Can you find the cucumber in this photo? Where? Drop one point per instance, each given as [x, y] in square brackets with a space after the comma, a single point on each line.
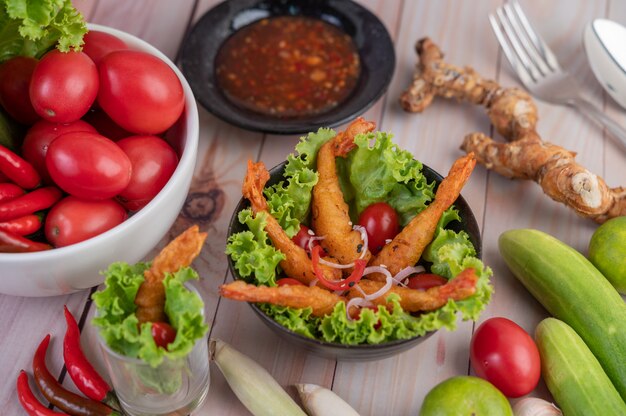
[574, 291]
[572, 373]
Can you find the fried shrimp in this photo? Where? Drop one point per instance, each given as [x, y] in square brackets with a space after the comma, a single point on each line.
[407, 247]
[297, 263]
[296, 296]
[412, 300]
[180, 252]
[329, 210]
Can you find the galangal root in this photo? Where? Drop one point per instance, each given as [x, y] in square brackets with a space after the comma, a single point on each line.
[514, 115]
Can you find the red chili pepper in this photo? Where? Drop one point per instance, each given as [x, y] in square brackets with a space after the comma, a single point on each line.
[14, 243]
[82, 373]
[345, 284]
[28, 400]
[60, 397]
[25, 225]
[17, 169]
[9, 191]
[29, 203]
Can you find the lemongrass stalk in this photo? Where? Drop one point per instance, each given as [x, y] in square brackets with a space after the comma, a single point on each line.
[251, 383]
[320, 401]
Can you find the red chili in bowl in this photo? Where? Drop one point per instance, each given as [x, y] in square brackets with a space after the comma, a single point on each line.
[288, 66]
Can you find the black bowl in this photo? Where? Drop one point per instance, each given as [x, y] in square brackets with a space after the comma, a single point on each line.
[362, 352]
[372, 40]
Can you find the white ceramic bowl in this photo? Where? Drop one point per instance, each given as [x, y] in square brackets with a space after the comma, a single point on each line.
[72, 268]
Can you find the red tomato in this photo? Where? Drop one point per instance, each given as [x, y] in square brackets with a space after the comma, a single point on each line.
[15, 76]
[302, 239]
[64, 85]
[163, 334]
[381, 223]
[88, 165]
[153, 162]
[287, 281]
[139, 92]
[72, 220]
[503, 353]
[424, 281]
[39, 137]
[105, 126]
[98, 44]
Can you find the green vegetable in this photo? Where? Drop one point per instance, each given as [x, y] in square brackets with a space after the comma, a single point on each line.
[574, 291]
[607, 251]
[251, 383]
[119, 325]
[33, 27]
[397, 179]
[573, 375]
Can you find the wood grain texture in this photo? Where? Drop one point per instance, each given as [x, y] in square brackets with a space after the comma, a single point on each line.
[397, 385]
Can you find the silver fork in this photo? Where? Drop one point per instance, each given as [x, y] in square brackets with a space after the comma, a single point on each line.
[537, 66]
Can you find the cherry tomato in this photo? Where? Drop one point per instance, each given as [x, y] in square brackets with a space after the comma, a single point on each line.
[381, 223]
[287, 281]
[163, 334]
[72, 220]
[88, 165]
[15, 76]
[302, 239]
[98, 44]
[139, 91]
[153, 162]
[503, 353]
[63, 86]
[424, 281]
[105, 126]
[39, 137]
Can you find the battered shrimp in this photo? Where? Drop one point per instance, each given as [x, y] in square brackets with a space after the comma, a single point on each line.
[330, 216]
[180, 252]
[407, 247]
[297, 263]
[294, 296]
[411, 300]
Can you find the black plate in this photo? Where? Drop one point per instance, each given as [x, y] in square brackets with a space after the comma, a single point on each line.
[363, 352]
[369, 34]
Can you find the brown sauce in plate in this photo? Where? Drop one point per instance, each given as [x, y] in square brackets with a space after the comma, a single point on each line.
[288, 66]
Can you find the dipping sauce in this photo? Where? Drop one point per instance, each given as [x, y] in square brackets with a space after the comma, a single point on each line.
[288, 66]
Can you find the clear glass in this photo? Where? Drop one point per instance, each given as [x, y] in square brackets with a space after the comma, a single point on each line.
[173, 388]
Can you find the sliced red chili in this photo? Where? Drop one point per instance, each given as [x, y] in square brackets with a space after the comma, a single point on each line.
[17, 169]
[344, 284]
[82, 373]
[29, 402]
[57, 395]
[9, 191]
[15, 243]
[29, 203]
[25, 225]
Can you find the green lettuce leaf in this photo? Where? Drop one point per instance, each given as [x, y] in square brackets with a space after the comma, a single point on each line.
[118, 324]
[33, 27]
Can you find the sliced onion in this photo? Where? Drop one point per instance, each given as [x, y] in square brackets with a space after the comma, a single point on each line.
[363, 232]
[312, 239]
[385, 288]
[360, 302]
[313, 282]
[407, 271]
[336, 265]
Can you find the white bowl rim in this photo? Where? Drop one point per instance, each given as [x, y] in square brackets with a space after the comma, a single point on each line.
[188, 157]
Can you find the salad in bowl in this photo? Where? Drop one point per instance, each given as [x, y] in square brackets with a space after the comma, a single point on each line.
[350, 244]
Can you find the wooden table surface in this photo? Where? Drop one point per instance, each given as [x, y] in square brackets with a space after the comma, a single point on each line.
[397, 385]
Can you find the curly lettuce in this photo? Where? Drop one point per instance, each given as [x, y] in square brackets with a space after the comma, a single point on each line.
[118, 324]
[33, 27]
[377, 170]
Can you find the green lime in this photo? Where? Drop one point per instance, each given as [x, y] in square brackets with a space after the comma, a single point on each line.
[465, 396]
[607, 251]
